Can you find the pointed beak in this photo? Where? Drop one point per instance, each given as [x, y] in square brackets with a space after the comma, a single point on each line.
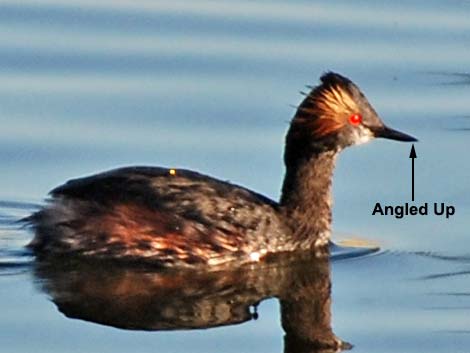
[388, 133]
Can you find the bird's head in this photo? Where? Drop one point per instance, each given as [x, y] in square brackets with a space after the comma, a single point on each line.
[334, 115]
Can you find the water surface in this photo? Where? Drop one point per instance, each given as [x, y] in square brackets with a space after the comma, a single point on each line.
[86, 86]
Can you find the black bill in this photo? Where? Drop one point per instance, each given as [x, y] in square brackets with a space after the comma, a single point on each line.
[391, 134]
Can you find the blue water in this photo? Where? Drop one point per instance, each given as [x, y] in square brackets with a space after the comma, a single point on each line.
[87, 86]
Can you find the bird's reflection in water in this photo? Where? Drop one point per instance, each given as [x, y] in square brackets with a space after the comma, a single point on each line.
[137, 298]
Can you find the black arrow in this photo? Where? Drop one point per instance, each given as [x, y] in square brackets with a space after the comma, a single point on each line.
[413, 156]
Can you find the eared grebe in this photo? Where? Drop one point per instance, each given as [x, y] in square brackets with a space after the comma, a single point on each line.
[176, 217]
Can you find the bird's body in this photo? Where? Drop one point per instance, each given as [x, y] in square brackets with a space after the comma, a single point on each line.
[176, 217]
[160, 215]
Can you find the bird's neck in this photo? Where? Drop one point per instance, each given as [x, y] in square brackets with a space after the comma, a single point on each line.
[306, 199]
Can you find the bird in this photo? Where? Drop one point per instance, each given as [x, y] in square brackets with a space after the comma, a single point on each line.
[180, 218]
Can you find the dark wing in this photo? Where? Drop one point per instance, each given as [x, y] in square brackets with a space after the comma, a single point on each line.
[124, 184]
[156, 187]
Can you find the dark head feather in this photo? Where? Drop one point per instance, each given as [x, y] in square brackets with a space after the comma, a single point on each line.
[333, 79]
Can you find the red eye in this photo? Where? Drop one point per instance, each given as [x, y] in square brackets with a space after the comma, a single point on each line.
[355, 119]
